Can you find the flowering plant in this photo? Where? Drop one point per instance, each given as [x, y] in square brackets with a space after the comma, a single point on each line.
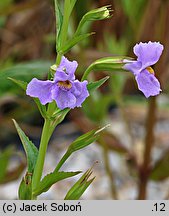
[59, 94]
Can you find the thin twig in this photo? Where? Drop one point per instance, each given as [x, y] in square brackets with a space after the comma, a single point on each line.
[149, 141]
[108, 169]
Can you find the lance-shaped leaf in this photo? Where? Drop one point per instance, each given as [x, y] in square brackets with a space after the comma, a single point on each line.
[96, 14]
[80, 186]
[59, 21]
[160, 170]
[72, 42]
[51, 179]
[108, 64]
[29, 147]
[95, 85]
[79, 143]
[23, 85]
[20, 83]
[72, 4]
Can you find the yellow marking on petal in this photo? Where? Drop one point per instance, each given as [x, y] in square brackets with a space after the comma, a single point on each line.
[150, 70]
[65, 84]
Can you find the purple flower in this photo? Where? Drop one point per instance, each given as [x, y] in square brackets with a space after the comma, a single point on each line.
[64, 89]
[147, 55]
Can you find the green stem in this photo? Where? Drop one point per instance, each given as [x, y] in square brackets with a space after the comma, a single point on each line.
[81, 23]
[42, 152]
[48, 125]
[58, 59]
[62, 161]
[86, 73]
[149, 142]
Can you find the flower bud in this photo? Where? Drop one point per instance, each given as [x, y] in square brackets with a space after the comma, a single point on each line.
[96, 14]
[107, 63]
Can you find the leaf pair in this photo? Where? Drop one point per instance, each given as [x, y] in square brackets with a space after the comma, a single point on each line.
[25, 189]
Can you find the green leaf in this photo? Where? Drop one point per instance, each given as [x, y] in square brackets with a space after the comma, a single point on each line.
[29, 147]
[72, 4]
[77, 190]
[20, 83]
[95, 85]
[25, 188]
[4, 161]
[160, 170]
[26, 70]
[42, 108]
[51, 179]
[72, 42]
[59, 21]
[23, 71]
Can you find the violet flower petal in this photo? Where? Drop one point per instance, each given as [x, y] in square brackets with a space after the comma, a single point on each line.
[67, 67]
[61, 76]
[64, 99]
[80, 91]
[65, 90]
[148, 53]
[40, 89]
[148, 83]
[134, 67]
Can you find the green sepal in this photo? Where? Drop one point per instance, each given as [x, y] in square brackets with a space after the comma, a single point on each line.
[77, 190]
[59, 115]
[85, 140]
[29, 147]
[160, 171]
[25, 188]
[72, 42]
[107, 63]
[51, 179]
[95, 85]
